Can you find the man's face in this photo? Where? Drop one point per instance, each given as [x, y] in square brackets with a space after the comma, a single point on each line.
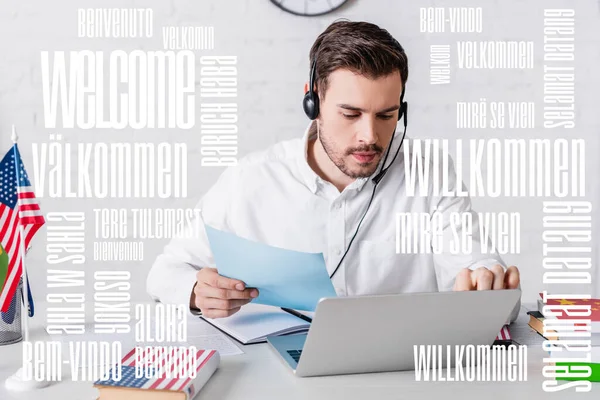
[357, 119]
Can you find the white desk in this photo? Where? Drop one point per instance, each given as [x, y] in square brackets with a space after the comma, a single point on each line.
[258, 374]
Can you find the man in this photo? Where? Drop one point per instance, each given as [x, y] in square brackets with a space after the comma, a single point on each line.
[309, 194]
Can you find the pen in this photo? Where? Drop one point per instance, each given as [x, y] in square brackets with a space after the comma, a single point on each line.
[297, 314]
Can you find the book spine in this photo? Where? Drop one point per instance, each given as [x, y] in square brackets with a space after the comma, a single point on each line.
[594, 356]
[206, 369]
[594, 377]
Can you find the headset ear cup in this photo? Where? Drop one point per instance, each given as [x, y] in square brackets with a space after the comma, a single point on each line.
[311, 105]
[307, 105]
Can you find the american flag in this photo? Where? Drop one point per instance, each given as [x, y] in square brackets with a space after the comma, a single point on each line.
[163, 381]
[18, 206]
[504, 334]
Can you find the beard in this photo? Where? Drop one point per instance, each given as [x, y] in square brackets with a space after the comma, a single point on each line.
[344, 160]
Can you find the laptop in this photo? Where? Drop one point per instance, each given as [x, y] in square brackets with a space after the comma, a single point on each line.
[361, 334]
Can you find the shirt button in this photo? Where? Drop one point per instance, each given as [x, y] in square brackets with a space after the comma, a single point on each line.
[338, 252]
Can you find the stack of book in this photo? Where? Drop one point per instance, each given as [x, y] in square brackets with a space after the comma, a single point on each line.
[163, 386]
[536, 322]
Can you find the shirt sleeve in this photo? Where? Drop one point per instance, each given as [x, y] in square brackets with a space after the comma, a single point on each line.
[482, 254]
[173, 275]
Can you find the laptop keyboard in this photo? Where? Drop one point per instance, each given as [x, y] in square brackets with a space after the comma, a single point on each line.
[295, 354]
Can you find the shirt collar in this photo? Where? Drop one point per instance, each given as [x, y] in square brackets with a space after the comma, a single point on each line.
[310, 178]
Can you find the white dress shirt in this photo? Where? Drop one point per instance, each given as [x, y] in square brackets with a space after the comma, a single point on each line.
[273, 196]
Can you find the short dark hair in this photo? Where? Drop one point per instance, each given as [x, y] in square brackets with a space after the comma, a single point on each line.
[361, 47]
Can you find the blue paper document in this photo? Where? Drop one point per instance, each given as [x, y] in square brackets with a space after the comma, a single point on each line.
[284, 278]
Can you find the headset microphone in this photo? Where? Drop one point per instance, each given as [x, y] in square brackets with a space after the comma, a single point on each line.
[402, 112]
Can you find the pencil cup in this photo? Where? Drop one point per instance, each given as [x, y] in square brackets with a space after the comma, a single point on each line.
[10, 321]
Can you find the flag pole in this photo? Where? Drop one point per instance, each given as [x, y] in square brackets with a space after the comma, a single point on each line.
[25, 320]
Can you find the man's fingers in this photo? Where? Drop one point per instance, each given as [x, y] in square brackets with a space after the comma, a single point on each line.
[222, 282]
[498, 272]
[220, 304]
[215, 313]
[228, 283]
[482, 278]
[463, 280]
[218, 296]
[512, 278]
[212, 278]
[487, 279]
[209, 291]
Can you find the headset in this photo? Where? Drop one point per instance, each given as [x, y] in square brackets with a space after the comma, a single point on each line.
[310, 104]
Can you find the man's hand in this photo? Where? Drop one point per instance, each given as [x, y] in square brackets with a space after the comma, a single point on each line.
[487, 279]
[217, 296]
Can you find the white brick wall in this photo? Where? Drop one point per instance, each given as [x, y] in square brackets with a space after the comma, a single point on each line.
[272, 49]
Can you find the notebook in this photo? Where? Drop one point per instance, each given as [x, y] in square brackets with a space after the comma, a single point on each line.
[162, 386]
[254, 322]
